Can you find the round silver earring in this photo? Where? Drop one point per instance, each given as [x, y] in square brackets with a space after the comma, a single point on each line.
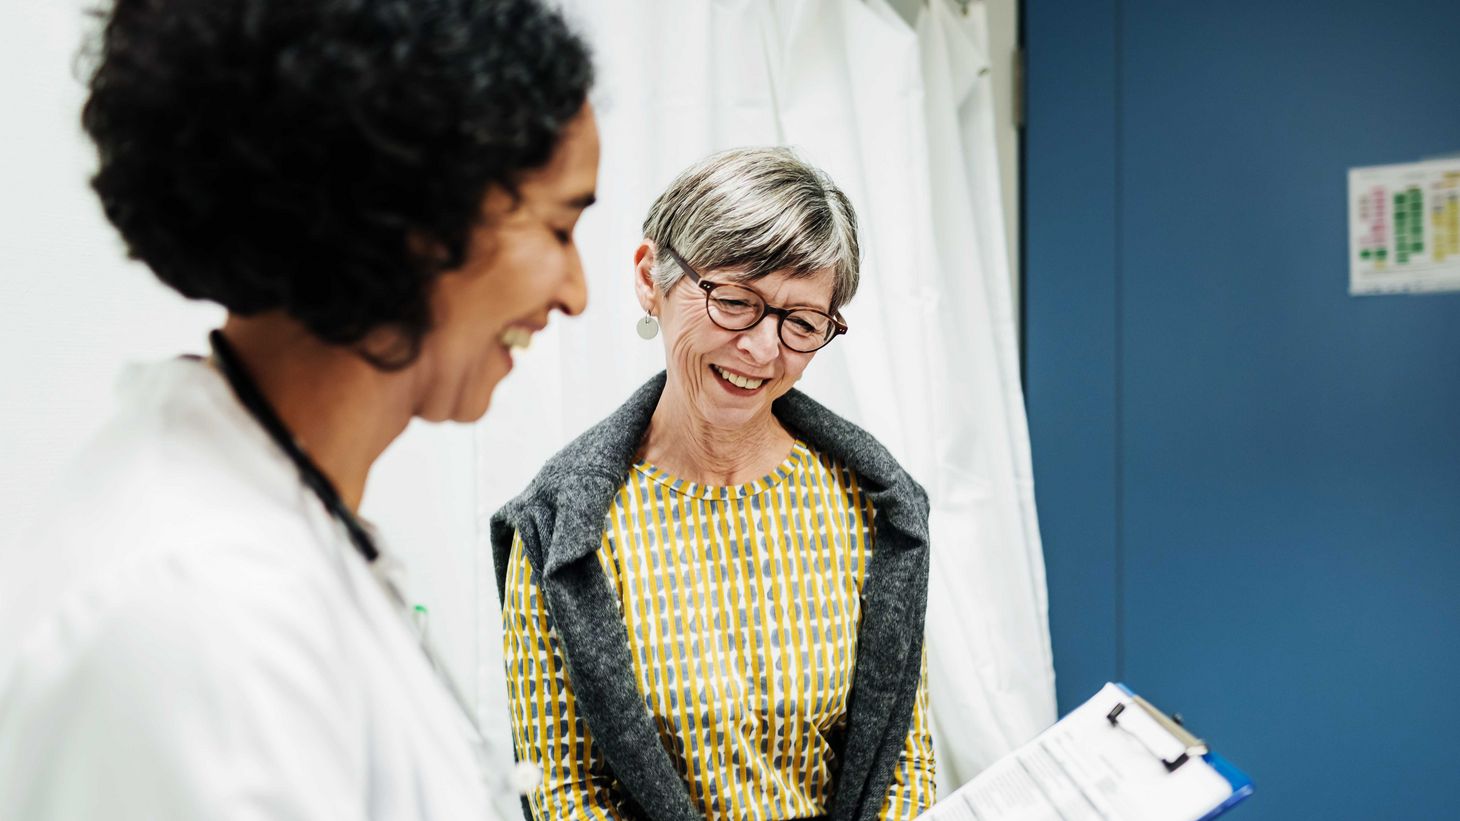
[648, 327]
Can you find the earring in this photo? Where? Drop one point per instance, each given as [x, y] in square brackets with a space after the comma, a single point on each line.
[648, 327]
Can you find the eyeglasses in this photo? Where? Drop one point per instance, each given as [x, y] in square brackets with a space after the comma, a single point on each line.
[738, 308]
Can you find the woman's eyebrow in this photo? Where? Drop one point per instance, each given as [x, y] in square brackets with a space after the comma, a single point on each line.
[582, 201]
[826, 309]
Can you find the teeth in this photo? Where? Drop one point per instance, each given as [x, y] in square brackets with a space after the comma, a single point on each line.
[738, 380]
[517, 338]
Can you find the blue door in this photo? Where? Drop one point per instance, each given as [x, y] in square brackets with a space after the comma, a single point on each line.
[1248, 481]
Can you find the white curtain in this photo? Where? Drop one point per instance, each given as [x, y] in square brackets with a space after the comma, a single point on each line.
[902, 118]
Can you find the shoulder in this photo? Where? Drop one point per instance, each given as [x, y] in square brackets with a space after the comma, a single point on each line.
[178, 632]
[138, 518]
[828, 433]
[170, 522]
[607, 447]
[584, 474]
[216, 609]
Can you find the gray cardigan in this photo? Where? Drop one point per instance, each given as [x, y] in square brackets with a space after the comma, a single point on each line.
[560, 519]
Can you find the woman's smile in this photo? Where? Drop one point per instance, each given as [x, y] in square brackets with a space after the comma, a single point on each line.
[737, 383]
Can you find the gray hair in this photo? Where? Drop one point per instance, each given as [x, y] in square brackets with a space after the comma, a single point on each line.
[756, 211]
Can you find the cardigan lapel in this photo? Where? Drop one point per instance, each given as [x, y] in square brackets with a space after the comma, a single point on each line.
[894, 603]
[595, 642]
[567, 504]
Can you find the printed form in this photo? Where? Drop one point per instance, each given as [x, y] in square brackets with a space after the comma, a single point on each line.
[1087, 767]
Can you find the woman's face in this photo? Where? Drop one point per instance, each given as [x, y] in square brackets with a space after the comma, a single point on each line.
[702, 358]
[521, 266]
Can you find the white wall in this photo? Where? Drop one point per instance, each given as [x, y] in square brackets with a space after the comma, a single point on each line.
[71, 308]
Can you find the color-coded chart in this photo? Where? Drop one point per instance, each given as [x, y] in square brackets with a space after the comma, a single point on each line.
[1404, 228]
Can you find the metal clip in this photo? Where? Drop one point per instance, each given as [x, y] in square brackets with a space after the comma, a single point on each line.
[1190, 744]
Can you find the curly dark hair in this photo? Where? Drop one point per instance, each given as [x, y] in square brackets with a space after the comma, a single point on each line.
[326, 158]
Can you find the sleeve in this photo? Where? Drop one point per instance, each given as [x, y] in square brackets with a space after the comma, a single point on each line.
[913, 791]
[546, 728]
[188, 701]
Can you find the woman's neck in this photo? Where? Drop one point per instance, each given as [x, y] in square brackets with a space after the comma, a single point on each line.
[683, 443]
[341, 410]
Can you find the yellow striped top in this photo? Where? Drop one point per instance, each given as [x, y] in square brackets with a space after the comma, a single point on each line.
[742, 606]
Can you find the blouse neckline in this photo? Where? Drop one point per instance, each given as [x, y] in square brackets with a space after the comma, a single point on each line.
[800, 452]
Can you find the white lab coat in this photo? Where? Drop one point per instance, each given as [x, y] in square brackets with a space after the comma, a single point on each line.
[185, 634]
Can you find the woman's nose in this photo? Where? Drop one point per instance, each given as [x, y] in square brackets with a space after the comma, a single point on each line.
[573, 292]
[762, 343]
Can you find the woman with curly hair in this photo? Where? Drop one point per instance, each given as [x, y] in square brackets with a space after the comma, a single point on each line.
[383, 196]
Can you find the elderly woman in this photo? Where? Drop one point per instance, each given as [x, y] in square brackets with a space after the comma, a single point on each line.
[382, 197]
[714, 599]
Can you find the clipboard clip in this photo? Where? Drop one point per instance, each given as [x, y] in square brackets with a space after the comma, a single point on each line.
[1191, 745]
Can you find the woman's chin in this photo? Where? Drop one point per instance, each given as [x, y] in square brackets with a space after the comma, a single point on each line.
[720, 416]
[475, 403]
[476, 395]
[474, 412]
[466, 404]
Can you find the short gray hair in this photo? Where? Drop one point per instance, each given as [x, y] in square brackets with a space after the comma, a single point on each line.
[756, 211]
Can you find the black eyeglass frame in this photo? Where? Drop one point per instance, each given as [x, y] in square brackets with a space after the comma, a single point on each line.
[839, 327]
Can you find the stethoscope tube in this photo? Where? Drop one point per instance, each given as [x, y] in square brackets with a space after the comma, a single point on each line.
[253, 400]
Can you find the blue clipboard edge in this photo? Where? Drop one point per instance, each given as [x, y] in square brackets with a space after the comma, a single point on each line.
[1241, 782]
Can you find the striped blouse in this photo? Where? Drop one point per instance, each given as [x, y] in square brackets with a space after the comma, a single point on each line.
[742, 606]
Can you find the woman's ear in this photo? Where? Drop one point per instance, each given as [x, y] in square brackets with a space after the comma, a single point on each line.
[644, 287]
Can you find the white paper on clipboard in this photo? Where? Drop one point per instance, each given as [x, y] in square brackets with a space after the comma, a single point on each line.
[1087, 767]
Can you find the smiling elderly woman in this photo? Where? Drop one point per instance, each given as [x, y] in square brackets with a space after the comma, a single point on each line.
[714, 599]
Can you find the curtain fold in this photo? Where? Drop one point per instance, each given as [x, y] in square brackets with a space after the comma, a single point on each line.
[902, 118]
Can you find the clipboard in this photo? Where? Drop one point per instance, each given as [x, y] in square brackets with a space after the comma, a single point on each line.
[1114, 758]
[1194, 747]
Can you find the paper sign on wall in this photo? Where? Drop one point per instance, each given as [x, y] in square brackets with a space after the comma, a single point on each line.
[1404, 228]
